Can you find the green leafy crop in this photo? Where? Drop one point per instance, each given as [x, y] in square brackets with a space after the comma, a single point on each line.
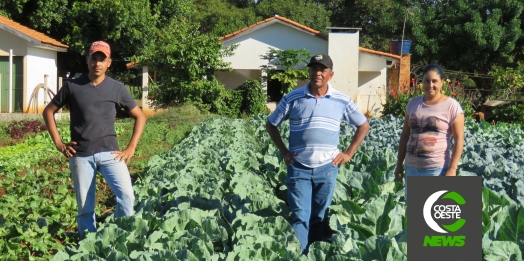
[220, 195]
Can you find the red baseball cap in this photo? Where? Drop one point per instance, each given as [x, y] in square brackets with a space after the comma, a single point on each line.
[100, 46]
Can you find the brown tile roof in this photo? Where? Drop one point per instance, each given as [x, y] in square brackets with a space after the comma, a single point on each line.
[362, 49]
[280, 18]
[44, 39]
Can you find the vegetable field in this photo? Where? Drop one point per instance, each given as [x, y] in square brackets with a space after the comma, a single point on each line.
[220, 195]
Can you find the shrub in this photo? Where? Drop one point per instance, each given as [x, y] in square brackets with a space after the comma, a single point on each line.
[246, 100]
[253, 97]
[135, 91]
[511, 113]
[229, 103]
[396, 102]
[18, 129]
[508, 83]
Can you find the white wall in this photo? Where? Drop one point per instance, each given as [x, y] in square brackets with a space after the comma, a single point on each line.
[373, 73]
[373, 63]
[276, 35]
[11, 41]
[343, 50]
[370, 97]
[235, 78]
[370, 62]
[368, 82]
[39, 62]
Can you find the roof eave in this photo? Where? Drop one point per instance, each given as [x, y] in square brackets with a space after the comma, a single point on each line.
[387, 56]
[51, 47]
[20, 34]
[33, 41]
[266, 23]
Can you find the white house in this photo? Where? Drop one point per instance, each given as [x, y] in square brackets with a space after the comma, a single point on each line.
[28, 59]
[359, 72]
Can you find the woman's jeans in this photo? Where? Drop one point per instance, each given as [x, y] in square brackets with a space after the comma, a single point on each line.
[410, 171]
[310, 191]
[116, 174]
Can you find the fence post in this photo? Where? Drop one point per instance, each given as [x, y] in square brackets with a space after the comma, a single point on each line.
[57, 90]
[145, 90]
[46, 90]
[10, 91]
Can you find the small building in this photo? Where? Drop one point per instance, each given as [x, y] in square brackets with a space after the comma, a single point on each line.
[32, 57]
[360, 73]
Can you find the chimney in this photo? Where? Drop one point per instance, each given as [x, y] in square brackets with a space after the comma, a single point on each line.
[400, 73]
[343, 46]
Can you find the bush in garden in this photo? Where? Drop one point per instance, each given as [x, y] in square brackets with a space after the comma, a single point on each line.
[467, 101]
[228, 104]
[19, 129]
[253, 97]
[508, 80]
[511, 113]
[396, 102]
[246, 100]
[508, 83]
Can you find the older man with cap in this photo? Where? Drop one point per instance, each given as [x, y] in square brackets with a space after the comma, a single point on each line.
[92, 100]
[315, 112]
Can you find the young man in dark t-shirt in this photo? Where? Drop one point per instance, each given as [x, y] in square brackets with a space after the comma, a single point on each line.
[92, 100]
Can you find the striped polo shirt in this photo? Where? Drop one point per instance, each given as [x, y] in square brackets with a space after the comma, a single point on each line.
[315, 123]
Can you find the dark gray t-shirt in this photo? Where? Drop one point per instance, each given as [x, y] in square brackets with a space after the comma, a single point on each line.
[93, 112]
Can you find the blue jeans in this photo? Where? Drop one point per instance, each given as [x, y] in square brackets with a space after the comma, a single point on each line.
[310, 191]
[116, 174]
[410, 171]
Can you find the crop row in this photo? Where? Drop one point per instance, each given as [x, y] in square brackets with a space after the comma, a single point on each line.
[220, 195]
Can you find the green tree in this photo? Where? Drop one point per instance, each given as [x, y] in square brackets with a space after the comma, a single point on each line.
[219, 17]
[380, 20]
[46, 16]
[242, 3]
[468, 35]
[287, 66]
[126, 25]
[165, 12]
[186, 60]
[311, 14]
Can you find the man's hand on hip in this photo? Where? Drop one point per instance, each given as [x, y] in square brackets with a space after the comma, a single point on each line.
[66, 148]
[341, 159]
[124, 155]
[288, 157]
